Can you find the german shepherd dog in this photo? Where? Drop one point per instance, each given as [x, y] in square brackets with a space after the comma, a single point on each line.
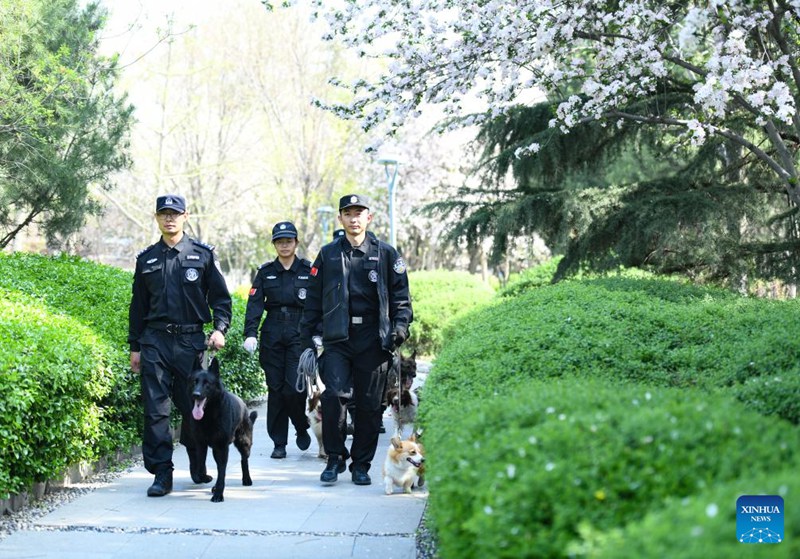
[220, 418]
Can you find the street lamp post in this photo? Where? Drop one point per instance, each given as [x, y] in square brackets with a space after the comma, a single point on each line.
[325, 213]
[390, 165]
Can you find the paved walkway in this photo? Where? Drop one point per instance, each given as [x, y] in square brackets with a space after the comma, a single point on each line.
[286, 513]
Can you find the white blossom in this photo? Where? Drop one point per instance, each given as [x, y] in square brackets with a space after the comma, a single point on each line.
[443, 52]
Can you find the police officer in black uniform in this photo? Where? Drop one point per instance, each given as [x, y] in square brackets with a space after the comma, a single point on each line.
[280, 288]
[177, 285]
[358, 300]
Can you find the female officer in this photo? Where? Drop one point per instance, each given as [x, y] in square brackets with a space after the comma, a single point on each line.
[279, 289]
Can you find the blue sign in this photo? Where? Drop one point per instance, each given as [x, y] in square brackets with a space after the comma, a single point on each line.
[759, 519]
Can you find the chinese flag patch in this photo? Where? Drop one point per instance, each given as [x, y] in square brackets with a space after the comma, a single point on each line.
[314, 271]
[252, 291]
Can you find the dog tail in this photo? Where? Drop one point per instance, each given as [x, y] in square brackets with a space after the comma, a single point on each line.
[253, 416]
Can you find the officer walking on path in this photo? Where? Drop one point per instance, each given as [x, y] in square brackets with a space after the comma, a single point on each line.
[280, 288]
[177, 285]
[358, 301]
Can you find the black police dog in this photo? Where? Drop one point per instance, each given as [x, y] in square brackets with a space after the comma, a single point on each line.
[220, 418]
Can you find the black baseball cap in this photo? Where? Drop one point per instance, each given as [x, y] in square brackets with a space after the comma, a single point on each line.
[284, 230]
[171, 202]
[353, 200]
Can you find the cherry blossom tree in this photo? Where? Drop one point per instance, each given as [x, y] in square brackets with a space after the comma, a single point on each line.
[736, 59]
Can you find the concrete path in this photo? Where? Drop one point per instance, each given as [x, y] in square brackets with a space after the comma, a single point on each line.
[285, 514]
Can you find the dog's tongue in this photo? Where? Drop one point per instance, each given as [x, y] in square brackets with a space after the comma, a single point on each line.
[198, 410]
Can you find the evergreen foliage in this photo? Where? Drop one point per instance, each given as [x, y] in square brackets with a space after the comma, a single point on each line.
[630, 196]
[62, 128]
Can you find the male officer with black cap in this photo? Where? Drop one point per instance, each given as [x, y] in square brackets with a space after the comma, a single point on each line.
[177, 288]
[280, 288]
[358, 300]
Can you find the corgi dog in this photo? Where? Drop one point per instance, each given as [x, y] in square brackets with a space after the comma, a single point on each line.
[314, 415]
[402, 464]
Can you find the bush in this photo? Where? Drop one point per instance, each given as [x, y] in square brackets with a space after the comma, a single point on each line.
[526, 467]
[530, 278]
[68, 321]
[54, 374]
[241, 373]
[96, 297]
[654, 331]
[438, 298]
[704, 525]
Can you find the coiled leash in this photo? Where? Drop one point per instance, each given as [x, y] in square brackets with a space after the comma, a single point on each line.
[307, 371]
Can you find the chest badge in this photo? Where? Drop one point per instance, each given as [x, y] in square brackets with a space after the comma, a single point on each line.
[301, 293]
[191, 274]
[152, 260]
[373, 276]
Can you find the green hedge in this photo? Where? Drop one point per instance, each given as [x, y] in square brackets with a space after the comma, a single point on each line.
[661, 332]
[54, 375]
[95, 297]
[438, 298]
[704, 525]
[519, 472]
[69, 321]
[571, 411]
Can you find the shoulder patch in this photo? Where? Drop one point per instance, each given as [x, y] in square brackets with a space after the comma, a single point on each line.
[399, 266]
[202, 244]
[141, 252]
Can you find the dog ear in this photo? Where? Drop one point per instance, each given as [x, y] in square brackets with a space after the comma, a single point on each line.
[214, 366]
[396, 443]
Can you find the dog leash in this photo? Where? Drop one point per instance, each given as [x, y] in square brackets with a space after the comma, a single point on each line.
[307, 368]
[208, 355]
[397, 366]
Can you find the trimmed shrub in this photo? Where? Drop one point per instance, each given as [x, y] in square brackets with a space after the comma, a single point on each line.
[241, 373]
[70, 322]
[97, 298]
[523, 469]
[438, 298]
[54, 374]
[530, 278]
[703, 525]
[773, 395]
[654, 331]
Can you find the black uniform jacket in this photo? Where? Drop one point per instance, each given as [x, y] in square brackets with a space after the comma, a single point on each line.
[202, 285]
[268, 293]
[328, 293]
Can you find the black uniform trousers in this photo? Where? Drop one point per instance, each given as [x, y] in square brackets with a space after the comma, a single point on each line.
[167, 364]
[279, 354]
[359, 365]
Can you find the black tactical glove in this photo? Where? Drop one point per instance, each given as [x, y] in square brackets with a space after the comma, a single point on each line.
[398, 337]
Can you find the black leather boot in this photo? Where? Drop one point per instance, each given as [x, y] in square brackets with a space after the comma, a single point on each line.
[360, 475]
[336, 465]
[162, 484]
